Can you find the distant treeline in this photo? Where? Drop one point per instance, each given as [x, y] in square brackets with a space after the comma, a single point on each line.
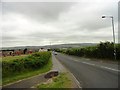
[104, 50]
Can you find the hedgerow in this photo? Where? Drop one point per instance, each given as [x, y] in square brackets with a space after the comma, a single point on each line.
[31, 62]
[104, 50]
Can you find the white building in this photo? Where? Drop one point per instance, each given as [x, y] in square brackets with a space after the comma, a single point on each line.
[42, 50]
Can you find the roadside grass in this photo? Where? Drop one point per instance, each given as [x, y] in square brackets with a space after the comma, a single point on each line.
[23, 75]
[9, 58]
[61, 81]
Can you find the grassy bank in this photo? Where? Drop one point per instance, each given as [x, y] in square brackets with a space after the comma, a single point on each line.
[61, 81]
[28, 70]
[9, 58]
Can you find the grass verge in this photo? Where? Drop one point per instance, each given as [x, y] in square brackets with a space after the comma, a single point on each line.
[23, 75]
[61, 81]
[9, 58]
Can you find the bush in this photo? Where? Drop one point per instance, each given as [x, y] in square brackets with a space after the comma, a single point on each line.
[31, 62]
[103, 50]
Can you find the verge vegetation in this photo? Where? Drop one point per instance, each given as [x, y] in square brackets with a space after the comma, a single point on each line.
[30, 65]
[8, 58]
[61, 81]
[104, 50]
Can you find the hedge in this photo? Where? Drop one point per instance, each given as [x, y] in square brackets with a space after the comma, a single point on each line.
[31, 62]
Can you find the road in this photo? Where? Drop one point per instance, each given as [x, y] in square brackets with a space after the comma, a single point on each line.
[90, 73]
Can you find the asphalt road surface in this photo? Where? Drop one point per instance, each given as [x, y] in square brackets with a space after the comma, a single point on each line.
[90, 73]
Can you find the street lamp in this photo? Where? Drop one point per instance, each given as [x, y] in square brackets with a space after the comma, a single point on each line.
[113, 32]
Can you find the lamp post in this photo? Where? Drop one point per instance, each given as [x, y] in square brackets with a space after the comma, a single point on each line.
[113, 33]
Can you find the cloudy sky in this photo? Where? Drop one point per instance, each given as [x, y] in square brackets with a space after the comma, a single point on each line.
[42, 23]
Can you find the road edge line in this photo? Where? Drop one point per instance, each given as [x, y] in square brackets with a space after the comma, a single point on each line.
[77, 82]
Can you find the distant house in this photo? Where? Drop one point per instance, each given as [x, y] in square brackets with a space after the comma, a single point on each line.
[11, 52]
[7, 52]
[30, 51]
[42, 49]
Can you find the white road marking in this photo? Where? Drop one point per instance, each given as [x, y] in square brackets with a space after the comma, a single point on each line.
[99, 66]
[87, 59]
[76, 81]
[89, 63]
[110, 68]
[76, 60]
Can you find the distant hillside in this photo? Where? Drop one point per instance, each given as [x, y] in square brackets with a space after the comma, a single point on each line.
[54, 46]
[73, 45]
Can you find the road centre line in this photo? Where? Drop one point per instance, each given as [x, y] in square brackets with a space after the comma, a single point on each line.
[110, 68]
[89, 63]
[99, 66]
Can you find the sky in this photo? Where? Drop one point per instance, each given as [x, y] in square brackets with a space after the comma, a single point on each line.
[42, 23]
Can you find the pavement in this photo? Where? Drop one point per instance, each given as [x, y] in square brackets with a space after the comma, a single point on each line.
[32, 81]
[91, 73]
[27, 83]
[57, 65]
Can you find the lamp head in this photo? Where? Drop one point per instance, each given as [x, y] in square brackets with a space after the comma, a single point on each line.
[103, 16]
[107, 16]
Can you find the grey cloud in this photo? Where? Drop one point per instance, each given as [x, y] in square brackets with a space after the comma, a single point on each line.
[92, 27]
[85, 38]
[68, 26]
[95, 21]
[48, 35]
[42, 11]
[7, 38]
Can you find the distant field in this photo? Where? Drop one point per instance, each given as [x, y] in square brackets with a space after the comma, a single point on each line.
[8, 58]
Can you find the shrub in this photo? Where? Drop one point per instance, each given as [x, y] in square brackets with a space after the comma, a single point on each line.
[31, 62]
[103, 50]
